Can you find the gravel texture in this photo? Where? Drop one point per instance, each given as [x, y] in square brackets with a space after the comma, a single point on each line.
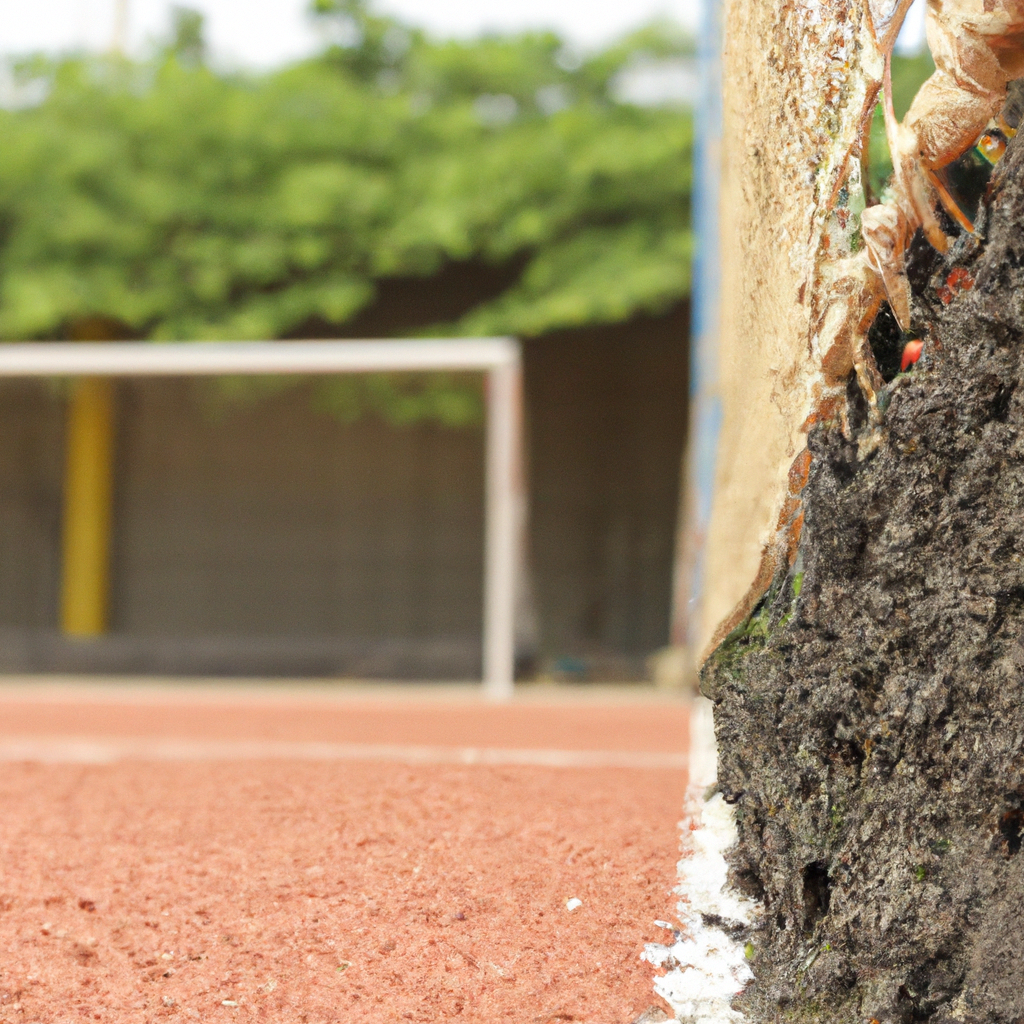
[870, 715]
[298, 891]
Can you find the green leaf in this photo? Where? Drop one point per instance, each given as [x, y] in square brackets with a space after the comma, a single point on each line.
[172, 201]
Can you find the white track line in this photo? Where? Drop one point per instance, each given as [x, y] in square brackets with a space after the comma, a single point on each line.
[706, 964]
[83, 750]
[83, 690]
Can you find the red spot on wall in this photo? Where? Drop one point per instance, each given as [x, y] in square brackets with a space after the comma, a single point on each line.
[911, 353]
[958, 280]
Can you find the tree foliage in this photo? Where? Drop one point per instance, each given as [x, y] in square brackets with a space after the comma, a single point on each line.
[166, 200]
[908, 75]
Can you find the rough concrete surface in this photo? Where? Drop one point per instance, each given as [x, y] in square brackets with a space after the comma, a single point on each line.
[799, 78]
[870, 713]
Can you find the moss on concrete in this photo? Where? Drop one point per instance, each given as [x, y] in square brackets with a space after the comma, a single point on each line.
[870, 714]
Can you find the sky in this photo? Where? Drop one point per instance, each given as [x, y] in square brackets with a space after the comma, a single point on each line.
[267, 33]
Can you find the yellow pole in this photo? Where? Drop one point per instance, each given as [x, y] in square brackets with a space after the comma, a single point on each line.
[88, 499]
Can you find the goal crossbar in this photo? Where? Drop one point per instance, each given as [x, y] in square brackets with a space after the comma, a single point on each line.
[499, 358]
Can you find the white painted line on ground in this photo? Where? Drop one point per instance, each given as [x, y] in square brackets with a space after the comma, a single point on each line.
[706, 964]
[75, 690]
[84, 750]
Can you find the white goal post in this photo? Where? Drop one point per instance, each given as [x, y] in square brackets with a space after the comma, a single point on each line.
[499, 358]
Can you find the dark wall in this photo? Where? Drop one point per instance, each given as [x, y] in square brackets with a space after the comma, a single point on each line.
[607, 412]
[31, 467]
[278, 520]
[274, 539]
[268, 538]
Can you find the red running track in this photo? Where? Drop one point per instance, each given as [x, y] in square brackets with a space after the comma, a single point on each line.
[212, 887]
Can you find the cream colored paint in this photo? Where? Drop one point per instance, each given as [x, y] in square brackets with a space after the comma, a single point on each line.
[799, 76]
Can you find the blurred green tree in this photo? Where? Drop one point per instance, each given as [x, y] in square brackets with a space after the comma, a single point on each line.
[909, 72]
[165, 200]
[188, 43]
[183, 203]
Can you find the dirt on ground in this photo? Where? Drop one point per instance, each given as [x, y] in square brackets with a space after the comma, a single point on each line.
[870, 715]
[319, 890]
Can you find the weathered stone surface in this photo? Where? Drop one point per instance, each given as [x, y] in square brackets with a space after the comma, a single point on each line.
[800, 77]
[870, 714]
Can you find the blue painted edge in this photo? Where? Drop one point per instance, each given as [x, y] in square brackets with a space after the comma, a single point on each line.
[705, 400]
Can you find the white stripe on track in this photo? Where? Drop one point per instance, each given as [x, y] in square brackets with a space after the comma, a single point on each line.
[80, 750]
